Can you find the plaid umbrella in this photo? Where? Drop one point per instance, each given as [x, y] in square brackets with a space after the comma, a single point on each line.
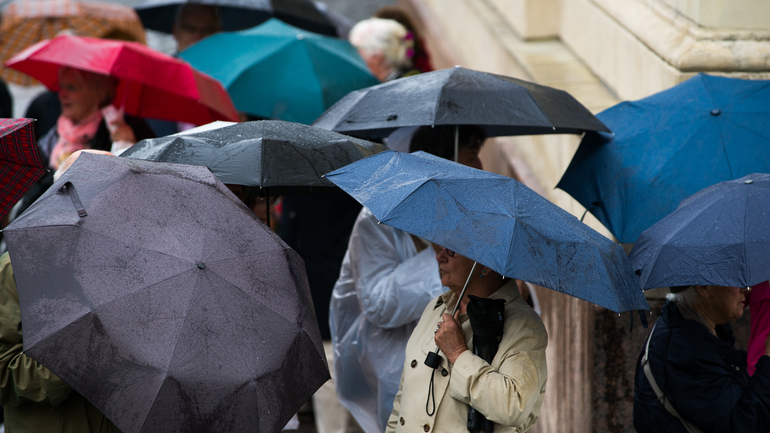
[27, 22]
[20, 162]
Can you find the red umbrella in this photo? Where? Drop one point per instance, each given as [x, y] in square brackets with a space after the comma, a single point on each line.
[26, 22]
[20, 162]
[152, 84]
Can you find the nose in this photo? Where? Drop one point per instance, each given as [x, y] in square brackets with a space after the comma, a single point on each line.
[442, 255]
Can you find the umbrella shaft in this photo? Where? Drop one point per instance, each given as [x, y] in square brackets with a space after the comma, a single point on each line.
[461, 296]
[457, 154]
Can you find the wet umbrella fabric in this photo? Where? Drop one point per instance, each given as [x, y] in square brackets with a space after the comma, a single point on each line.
[276, 71]
[667, 147]
[719, 236]
[243, 14]
[508, 227]
[458, 96]
[26, 22]
[153, 292]
[277, 157]
[151, 84]
[21, 164]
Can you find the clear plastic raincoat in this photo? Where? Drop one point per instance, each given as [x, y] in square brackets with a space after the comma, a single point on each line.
[383, 288]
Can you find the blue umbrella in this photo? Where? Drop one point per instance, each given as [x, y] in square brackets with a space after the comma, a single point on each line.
[496, 221]
[719, 236]
[667, 147]
[276, 71]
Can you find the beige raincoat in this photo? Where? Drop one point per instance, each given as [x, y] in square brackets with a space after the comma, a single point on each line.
[508, 392]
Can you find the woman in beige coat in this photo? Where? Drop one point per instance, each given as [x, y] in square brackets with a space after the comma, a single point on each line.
[507, 391]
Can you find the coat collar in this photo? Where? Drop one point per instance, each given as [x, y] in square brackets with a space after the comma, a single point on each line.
[508, 292]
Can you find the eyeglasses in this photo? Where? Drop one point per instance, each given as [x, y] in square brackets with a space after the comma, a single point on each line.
[449, 252]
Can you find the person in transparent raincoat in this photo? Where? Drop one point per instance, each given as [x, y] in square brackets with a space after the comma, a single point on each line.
[387, 278]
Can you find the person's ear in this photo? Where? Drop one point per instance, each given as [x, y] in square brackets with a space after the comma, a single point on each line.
[702, 291]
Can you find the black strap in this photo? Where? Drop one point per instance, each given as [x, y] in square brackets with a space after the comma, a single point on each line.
[70, 189]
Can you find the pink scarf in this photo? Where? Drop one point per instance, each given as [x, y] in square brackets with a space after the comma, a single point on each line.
[73, 137]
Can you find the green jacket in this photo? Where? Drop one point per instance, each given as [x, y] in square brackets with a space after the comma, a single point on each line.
[34, 399]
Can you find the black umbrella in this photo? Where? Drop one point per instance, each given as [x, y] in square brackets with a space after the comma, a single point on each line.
[243, 14]
[487, 317]
[277, 157]
[153, 292]
[458, 96]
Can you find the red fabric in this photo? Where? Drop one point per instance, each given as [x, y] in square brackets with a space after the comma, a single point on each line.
[152, 84]
[759, 306]
[21, 164]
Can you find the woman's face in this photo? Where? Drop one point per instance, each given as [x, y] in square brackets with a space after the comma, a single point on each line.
[726, 304]
[78, 101]
[454, 269]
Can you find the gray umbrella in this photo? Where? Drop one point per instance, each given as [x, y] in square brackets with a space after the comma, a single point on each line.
[275, 156]
[458, 96]
[153, 292]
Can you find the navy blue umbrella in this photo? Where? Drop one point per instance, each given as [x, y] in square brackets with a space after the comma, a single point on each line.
[719, 237]
[667, 147]
[496, 221]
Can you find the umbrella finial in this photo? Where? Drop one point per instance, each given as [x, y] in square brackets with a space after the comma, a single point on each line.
[716, 112]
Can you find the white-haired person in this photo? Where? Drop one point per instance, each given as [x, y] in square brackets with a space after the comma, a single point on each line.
[386, 47]
[694, 380]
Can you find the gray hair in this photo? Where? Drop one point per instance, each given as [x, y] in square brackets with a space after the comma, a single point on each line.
[388, 37]
[685, 297]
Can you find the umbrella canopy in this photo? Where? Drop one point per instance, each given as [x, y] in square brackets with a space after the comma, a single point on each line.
[719, 236]
[27, 22]
[152, 84]
[278, 157]
[667, 147]
[153, 292]
[459, 96]
[277, 71]
[243, 14]
[493, 220]
[21, 164]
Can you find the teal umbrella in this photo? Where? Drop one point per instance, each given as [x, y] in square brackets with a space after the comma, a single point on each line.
[277, 71]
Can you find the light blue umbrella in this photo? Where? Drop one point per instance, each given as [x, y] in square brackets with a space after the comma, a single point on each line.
[276, 71]
[496, 221]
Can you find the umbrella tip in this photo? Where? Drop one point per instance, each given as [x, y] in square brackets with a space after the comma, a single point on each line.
[716, 112]
[458, 66]
[746, 182]
[201, 265]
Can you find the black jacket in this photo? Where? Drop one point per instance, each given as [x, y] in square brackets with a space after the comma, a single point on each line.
[705, 379]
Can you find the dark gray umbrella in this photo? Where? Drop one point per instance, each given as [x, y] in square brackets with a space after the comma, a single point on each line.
[243, 14]
[458, 96]
[277, 157]
[153, 292]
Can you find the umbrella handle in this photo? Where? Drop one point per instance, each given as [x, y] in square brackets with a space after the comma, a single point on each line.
[433, 360]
